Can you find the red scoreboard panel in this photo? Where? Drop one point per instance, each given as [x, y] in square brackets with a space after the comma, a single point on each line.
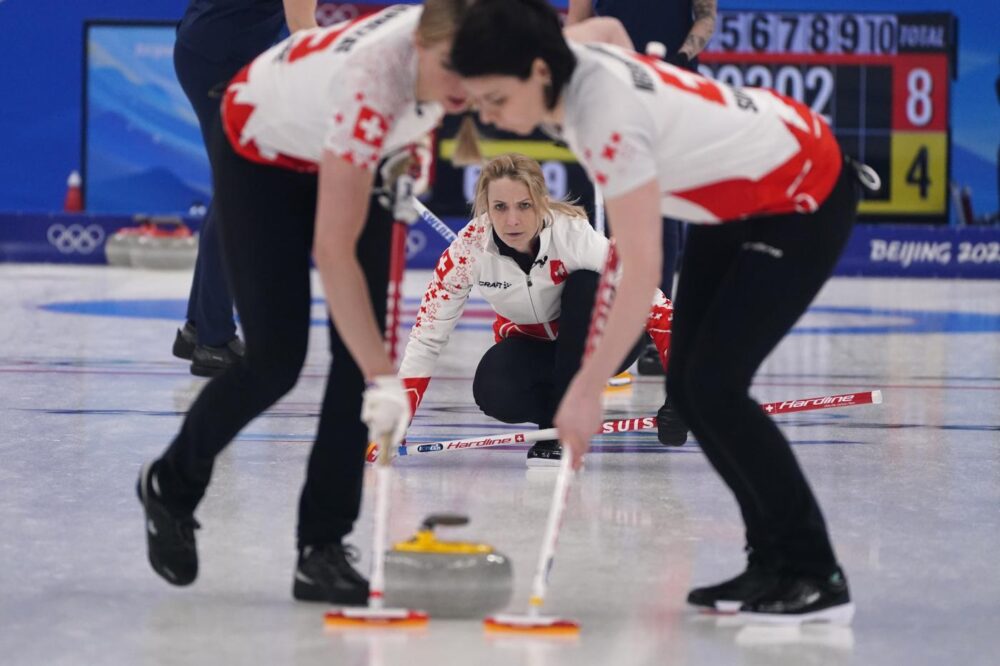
[880, 79]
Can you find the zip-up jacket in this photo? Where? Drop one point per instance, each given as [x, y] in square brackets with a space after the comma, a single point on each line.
[526, 304]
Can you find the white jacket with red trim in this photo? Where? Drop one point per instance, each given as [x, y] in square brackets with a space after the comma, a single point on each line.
[527, 304]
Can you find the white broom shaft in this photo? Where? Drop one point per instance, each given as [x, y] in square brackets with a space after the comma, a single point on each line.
[599, 222]
[434, 221]
[383, 481]
[551, 538]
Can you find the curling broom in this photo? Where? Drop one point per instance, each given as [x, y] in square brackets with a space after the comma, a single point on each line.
[376, 615]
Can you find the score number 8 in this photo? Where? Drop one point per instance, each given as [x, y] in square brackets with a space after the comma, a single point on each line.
[919, 108]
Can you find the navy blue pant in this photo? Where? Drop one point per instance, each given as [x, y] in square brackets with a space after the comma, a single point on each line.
[210, 305]
[522, 380]
[671, 249]
[743, 286]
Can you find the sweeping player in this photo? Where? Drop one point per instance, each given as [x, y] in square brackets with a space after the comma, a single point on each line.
[536, 261]
[303, 128]
[774, 202]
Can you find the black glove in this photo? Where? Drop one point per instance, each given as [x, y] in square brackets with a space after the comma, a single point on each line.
[405, 174]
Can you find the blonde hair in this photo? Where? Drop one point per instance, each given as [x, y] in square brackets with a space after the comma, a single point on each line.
[438, 23]
[440, 19]
[523, 169]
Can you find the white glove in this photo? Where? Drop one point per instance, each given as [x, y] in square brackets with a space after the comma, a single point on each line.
[385, 409]
[405, 173]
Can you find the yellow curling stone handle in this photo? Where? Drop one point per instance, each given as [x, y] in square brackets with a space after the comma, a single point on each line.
[425, 541]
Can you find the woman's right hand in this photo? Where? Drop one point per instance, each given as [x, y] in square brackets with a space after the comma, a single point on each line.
[385, 409]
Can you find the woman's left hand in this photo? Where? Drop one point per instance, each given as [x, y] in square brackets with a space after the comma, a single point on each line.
[579, 417]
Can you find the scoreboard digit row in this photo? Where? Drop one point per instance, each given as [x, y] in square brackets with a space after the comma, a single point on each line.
[772, 32]
[850, 33]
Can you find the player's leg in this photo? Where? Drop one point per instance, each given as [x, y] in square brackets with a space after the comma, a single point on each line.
[209, 334]
[513, 384]
[708, 256]
[331, 497]
[513, 381]
[782, 263]
[267, 256]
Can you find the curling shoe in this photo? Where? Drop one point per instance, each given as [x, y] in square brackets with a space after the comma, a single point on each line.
[801, 598]
[169, 536]
[186, 341]
[730, 596]
[649, 362]
[546, 453]
[326, 573]
[670, 429]
[211, 361]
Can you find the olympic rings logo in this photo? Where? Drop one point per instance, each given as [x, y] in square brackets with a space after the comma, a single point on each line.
[329, 13]
[76, 238]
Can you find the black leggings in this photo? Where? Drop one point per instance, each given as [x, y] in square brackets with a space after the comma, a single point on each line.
[522, 380]
[266, 219]
[743, 285]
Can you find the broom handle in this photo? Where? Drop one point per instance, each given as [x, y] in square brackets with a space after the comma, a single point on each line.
[612, 426]
[383, 480]
[434, 221]
[547, 554]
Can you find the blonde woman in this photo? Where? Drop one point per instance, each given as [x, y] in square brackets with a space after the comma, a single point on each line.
[536, 261]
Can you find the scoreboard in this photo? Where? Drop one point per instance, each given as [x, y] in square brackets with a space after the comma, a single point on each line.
[880, 79]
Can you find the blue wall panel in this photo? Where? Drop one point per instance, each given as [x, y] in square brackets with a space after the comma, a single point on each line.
[40, 88]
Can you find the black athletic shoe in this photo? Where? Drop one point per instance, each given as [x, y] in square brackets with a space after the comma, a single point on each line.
[169, 537]
[211, 361]
[729, 596]
[325, 573]
[799, 598]
[546, 453]
[648, 362]
[670, 429]
[186, 341]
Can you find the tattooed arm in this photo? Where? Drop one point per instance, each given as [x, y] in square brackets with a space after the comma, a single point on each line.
[704, 25]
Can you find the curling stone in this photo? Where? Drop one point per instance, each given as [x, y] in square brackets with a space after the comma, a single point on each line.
[447, 579]
[118, 246]
[165, 243]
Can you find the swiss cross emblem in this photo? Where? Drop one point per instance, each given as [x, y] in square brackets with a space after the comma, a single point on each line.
[558, 271]
[445, 264]
[371, 127]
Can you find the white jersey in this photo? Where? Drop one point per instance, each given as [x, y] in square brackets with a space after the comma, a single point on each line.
[718, 153]
[348, 88]
[526, 304]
